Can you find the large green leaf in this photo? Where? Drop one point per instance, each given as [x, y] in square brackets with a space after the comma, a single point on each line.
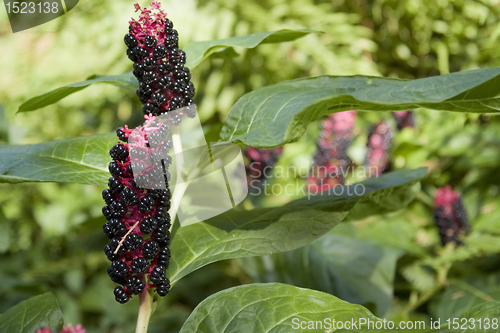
[241, 233]
[349, 268]
[126, 80]
[32, 314]
[465, 293]
[274, 115]
[79, 160]
[484, 317]
[196, 52]
[272, 308]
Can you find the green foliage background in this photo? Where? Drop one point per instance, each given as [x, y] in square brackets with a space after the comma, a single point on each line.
[50, 234]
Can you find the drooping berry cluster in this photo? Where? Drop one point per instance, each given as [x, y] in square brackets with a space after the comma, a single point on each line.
[66, 329]
[404, 119]
[450, 215]
[330, 162]
[164, 81]
[377, 152]
[137, 204]
[260, 163]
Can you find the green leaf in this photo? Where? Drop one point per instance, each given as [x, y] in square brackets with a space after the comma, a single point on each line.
[196, 52]
[32, 314]
[4, 233]
[81, 160]
[465, 293]
[241, 233]
[4, 125]
[484, 317]
[126, 80]
[271, 308]
[352, 269]
[274, 115]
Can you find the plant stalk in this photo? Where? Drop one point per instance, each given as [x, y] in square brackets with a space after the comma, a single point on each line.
[145, 310]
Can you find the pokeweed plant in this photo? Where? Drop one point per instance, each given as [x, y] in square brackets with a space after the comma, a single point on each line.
[139, 223]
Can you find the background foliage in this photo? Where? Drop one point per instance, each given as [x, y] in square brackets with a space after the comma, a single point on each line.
[50, 234]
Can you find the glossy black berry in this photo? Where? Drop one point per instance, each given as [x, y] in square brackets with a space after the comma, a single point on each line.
[182, 57]
[138, 70]
[173, 55]
[115, 170]
[158, 98]
[178, 74]
[138, 154]
[106, 211]
[164, 257]
[187, 74]
[157, 275]
[147, 225]
[121, 135]
[133, 241]
[149, 64]
[163, 289]
[168, 25]
[139, 265]
[149, 42]
[108, 197]
[149, 77]
[177, 87]
[142, 181]
[146, 204]
[151, 109]
[118, 152]
[164, 220]
[161, 212]
[111, 247]
[146, 89]
[160, 52]
[108, 230]
[156, 174]
[164, 68]
[119, 227]
[135, 285]
[150, 249]
[142, 96]
[130, 41]
[154, 139]
[115, 185]
[129, 197]
[164, 200]
[135, 168]
[140, 52]
[161, 234]
[177, 100]
[120, 295]
[117, 209]
[118, 268]
[171, 41]
[131, 55]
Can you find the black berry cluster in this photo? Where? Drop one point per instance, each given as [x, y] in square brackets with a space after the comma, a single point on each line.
[138, 198]
[164, 81]
[404, 119]
[378, 148]
[260, 161]
[450, 215]
[137, 203]
[330, 160]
